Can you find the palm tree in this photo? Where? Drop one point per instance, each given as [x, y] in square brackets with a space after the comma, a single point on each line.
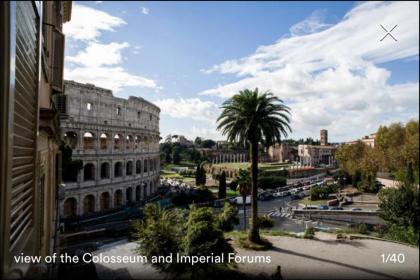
[243, 181]
[251, 117]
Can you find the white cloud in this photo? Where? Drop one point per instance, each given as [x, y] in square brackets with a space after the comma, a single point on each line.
[189, 108]
[314, 23]
[330, 77]
[136, 50]
[98, 2]
[113, 78]
[98, 63]
[87, 23]
[97, 54]
[145, 11]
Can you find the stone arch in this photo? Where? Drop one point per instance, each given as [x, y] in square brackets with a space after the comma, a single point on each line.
[145, 190]
[118, 141]
[151, 165]
[129, 194]
[129, 168]
[103, 139]
[70, 207]
[88, 141]
[89, 172]
[145, 165]
[152, 187]
[137, 142]
[156, 163]
[70, 138]
[88, 204]
[138, 166]
[105, 170]
[129, 142]
[118, 198]
[105, 201]
[118, 169]
[138, 193]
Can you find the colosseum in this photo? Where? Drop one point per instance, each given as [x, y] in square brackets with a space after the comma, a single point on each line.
[117, 141]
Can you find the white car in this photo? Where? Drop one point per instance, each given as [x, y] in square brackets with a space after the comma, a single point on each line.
[276, 194]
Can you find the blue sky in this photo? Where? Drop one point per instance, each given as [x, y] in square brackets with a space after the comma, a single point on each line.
[324, 59]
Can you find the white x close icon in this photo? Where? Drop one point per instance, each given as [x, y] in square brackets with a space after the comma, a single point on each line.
[388, 33]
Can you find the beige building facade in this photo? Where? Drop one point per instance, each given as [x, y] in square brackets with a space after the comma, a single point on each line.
[32, 54]
[117, 142]
[282, 153]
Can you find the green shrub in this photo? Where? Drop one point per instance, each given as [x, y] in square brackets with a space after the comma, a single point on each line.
[265, 222]
[361, 228]
[198, 196]
[228, 217]
[159, 234]
[309, 233]
[203, 237]
[341, 236]
[187, 173]
[271, 182]
[403, 234]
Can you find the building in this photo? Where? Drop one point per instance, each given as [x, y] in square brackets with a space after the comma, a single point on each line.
[369, 140]
[32, 56]
[324, 137]
[314, 155]
[282, 153]
[117, 142]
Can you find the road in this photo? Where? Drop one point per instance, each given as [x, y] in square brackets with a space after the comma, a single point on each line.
[282, 221]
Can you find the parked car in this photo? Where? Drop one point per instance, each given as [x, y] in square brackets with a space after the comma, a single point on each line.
[336, 208]
[309, 208]
[323, 207]
[332, 202]
[265, 196]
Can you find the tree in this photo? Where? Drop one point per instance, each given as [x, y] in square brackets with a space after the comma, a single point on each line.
[203, 174]
[176, 155]
[198, 176]
[271, 182]
[244, 185]
[400, 208]
[70, 167]
[166, 148]
[228, 217]
[159, 234]
[222, 185]
[198, 141]
[253, 117]
[208, 143]
[204, 237]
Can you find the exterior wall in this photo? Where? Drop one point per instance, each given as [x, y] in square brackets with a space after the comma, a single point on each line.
[29, 131]
[282, 153]
[95, 112]
[314, 155]
[48, 154]
[324, 137]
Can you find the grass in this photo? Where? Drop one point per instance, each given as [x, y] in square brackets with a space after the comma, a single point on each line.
[275, 232]
[230, 193]
[172, 175]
